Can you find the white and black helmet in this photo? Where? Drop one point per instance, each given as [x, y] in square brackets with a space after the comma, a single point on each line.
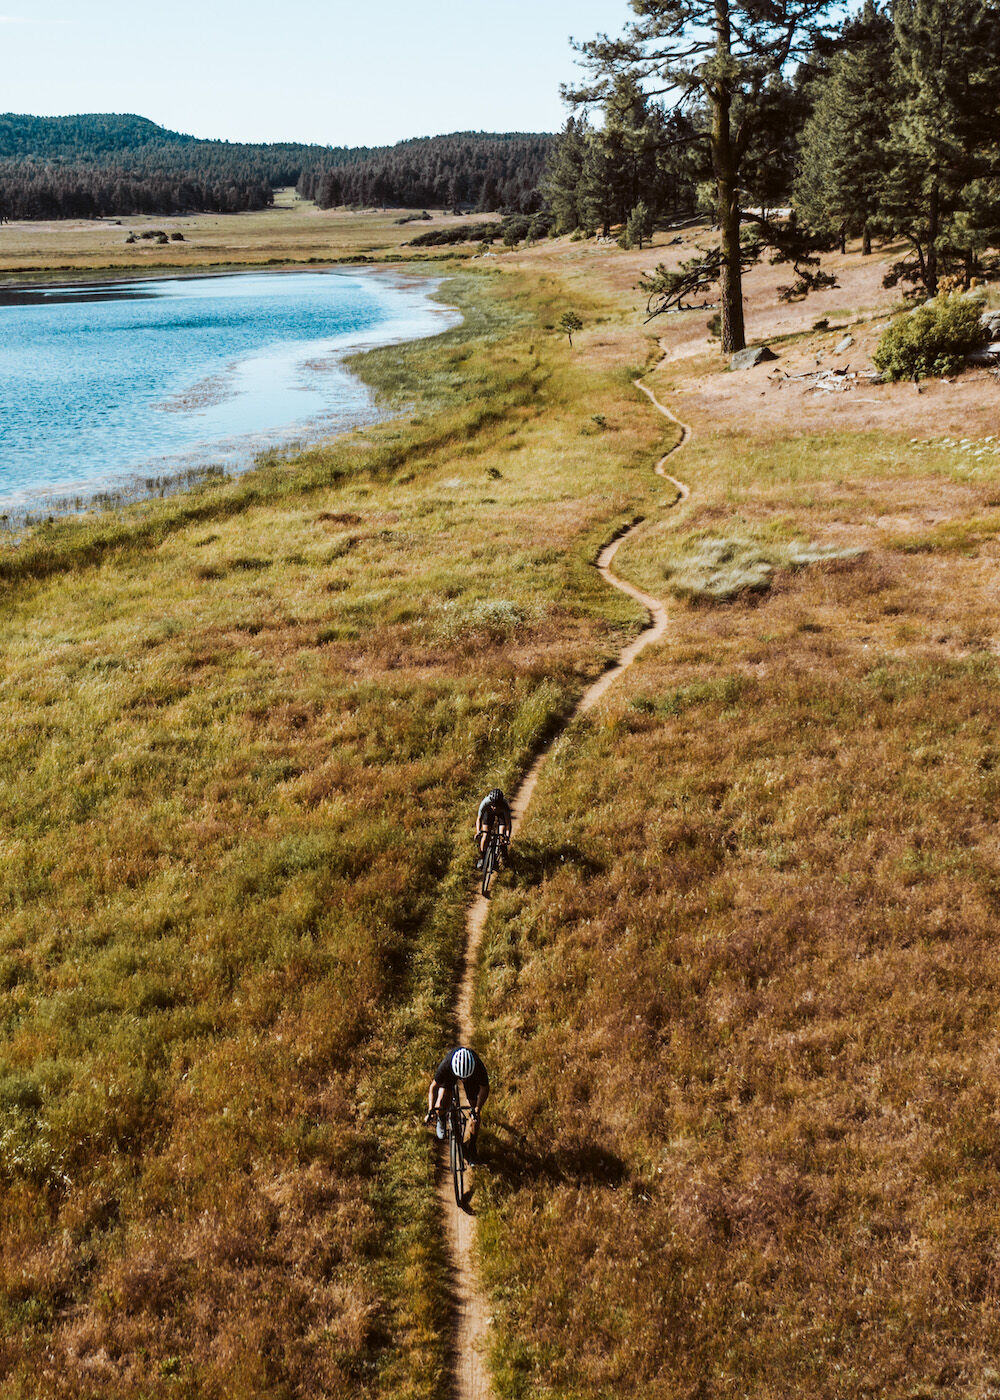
[494, 795]
[463, 1063]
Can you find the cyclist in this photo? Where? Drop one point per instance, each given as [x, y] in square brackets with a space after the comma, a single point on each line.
[465, 1065]
[494, 811]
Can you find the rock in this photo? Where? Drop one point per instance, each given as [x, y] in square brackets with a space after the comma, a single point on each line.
[990, 322]
[988, 355]
[845, 344]
[754, 355]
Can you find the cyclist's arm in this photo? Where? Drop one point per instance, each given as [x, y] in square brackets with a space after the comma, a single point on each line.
[436, 1095]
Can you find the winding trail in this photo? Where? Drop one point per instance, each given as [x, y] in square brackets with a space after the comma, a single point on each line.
[470, 1376]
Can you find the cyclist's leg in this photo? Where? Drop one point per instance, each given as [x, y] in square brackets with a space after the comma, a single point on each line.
[443, 1104]
[482, 1094]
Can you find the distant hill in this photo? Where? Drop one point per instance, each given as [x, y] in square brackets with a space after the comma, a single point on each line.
[100, 164]
[88, 136]
[468, 169]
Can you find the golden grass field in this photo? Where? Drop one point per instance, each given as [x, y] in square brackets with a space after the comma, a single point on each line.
[293, 231]
[242, 733]
[738, 993]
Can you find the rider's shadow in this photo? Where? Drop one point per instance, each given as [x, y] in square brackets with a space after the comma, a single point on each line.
[531, 862]
[514, 1159]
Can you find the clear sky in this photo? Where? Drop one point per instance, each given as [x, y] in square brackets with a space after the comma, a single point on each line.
[339, 72]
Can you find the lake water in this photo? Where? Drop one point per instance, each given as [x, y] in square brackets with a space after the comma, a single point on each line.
[111, 387]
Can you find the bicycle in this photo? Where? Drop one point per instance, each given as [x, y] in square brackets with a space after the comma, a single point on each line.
[494, 849]
[458, 1117]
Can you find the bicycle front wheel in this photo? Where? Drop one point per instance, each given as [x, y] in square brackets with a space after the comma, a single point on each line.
[457, 1162]
[489, 861]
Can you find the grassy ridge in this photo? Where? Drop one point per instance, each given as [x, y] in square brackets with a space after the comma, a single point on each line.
[743, 1010]
[241, 733]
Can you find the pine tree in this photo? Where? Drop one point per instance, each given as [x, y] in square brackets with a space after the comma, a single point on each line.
[564, 174]
[768, 169]
[723, 54]
[638, 227]
[843, 152]
[597, 188]
[943, 191]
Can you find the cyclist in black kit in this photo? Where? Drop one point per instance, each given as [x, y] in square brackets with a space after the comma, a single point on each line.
[465, 1065]
[494, 811]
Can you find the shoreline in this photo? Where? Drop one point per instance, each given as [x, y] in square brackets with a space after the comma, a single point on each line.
[228, 458]
[111, 273]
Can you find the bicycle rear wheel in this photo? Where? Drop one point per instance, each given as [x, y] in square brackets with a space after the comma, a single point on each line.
[457, 1154]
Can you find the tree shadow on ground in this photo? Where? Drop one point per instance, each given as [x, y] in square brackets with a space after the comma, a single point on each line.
[514, 1159]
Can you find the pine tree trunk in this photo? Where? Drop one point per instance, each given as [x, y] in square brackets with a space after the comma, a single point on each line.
[933, 225]
[843, 240]
[727, 186]
[866, 241]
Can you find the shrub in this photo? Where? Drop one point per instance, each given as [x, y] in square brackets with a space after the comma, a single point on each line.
[931, 340]
[486, 622]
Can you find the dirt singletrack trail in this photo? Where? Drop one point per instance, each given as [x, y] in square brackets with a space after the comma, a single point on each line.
[470, 1376]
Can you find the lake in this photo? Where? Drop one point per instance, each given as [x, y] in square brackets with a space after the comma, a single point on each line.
[113, 387]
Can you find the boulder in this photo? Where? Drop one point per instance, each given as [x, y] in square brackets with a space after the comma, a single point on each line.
[990, 322]
[988, 355]
[754, 355]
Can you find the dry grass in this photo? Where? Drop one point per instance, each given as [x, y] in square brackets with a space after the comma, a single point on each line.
[292, 232]
[741, 994]
[738, 990]
[241, 734]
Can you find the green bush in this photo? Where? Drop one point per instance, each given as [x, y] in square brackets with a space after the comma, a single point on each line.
[932, 340]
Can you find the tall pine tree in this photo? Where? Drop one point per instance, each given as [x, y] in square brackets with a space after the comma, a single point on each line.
[943, 189]
[564, 175]
[723, 54]
[843, 152]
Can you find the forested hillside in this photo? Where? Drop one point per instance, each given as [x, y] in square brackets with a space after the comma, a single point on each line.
[101, 164]
[467, 169]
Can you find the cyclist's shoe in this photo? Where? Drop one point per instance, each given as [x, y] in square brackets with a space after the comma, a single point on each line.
[439, 1128]
[471, 1151]
[479, 863]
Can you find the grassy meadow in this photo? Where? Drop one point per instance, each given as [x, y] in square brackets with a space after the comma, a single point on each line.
[293, 232]
[242, 733]
[738, 989]
[741, 991]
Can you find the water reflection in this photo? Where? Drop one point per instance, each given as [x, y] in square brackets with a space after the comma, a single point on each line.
[101, 385]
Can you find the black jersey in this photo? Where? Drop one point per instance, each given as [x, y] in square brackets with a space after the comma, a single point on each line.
[478, 1079]
[491, 812]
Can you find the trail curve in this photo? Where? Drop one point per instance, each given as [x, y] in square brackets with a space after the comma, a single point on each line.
[470, 1376]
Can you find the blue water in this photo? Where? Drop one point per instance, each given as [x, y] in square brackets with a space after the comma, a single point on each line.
[105, 387]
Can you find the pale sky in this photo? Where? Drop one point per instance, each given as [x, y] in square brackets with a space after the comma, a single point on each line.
[338, 72]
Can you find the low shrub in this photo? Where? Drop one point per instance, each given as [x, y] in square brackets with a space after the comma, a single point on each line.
[717, 570]
[930, 341]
